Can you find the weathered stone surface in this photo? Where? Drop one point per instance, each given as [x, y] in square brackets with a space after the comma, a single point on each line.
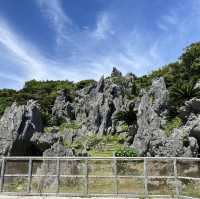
[96, 105]
[151, 139]
[44, 141]
[152, 105]
[62, 109]
[100, 85]
[191, 106]
[58, 150]
[17, 126]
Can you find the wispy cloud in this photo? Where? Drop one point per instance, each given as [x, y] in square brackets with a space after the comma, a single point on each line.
[103, 27]
[90, 52]
[59, 21]
[29, 59]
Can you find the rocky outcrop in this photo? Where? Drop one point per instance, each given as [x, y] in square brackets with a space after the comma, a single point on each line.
[191, 113]
[58, 150]
[96, 108]
[62, 109]
[151, 139]
[95, 105]
[152, 106]
[17, 126]
[44, 141]
[116, 73]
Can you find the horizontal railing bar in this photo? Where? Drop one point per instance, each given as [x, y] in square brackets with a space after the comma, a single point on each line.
[102, 176]
[90, 195]
[161, 177]
[188, 178]
[98, 158]
[16, 175]
[70, 176]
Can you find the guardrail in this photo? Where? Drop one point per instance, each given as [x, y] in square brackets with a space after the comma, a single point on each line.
[143, 177]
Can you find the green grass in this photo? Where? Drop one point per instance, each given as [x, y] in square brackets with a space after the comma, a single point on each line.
[72, 126]
[192, 190]
[104, 146]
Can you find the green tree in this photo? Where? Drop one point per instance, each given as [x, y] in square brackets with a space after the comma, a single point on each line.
[183, 91]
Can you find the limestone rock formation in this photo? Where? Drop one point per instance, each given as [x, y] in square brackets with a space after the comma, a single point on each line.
[95, 106]
[62, 109]
[116, 72]
[94, 110]
[17, 126]
[151, 139]
[44, 141]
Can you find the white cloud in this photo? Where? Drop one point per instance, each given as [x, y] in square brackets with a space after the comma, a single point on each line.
[59, 21]
[103, 27]
[91, 52]
[30, 60]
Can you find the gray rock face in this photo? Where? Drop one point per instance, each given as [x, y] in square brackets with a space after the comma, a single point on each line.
[151, 139]
[58, 150]
[62, 109]
[152, 105]
[116, 73]
[95, 106]
[44, 141]
[191, 106]
[17, 126]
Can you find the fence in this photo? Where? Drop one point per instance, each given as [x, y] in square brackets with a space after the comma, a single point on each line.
[142, 177]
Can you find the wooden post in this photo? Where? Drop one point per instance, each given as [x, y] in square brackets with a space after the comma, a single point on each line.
[115, 175]
[86, 177]
[29, 175]
[145, 178]
[58, 175]
[2, 174]
[176, 179]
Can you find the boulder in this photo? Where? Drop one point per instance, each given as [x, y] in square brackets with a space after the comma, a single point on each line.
[17, 126]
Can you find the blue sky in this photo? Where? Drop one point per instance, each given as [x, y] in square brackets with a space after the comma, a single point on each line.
[84, 39]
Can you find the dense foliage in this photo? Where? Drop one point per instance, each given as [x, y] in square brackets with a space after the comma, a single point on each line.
[44, 92]
[126, 152]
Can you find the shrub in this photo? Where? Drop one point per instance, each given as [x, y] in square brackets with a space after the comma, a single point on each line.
[125, 152]
[84, 83]
[183, 91]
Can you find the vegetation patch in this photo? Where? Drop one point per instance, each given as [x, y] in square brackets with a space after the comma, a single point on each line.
[126, 152]
[172, 124]
[72, 125]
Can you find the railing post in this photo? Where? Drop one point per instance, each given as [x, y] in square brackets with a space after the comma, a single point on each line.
[58, 175]
[176, 178]
[29, 175]
[115, 175]
[2, 173]
[146, 194]
[86, 177]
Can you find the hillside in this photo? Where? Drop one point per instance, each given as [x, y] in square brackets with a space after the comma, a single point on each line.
[153, 115]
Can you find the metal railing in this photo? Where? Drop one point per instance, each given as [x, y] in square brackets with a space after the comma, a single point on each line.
[143, 177]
